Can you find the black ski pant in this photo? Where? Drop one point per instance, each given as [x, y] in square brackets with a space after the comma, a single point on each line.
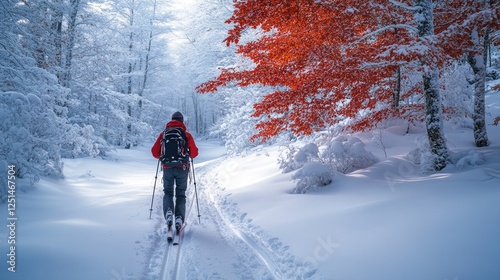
[177, 176]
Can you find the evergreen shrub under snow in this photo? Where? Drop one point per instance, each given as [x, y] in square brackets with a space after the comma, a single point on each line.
[312, 175]
[28, 139]
[314, 169]
[347, 154]
[295, 158]
[423, 157]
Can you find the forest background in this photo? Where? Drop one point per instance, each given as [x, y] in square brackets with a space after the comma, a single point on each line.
[78, 78]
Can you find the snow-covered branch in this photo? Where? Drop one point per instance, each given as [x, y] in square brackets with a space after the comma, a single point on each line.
[404, 6]
[385, 28]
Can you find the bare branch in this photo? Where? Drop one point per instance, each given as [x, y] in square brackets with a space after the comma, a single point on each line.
[385, 28]
[404, 6]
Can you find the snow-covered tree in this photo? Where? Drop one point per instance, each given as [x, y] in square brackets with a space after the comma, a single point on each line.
[117, 63]
[335, 60]
[477, 60]
[33, 118]
[423, 13]
[196, 50]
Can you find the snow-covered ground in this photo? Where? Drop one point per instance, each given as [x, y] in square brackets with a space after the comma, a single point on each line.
[91, 225]
[388, 221]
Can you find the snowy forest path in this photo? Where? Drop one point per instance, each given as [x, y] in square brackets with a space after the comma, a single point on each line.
[225, 243]
[172, 257]
[238, 256]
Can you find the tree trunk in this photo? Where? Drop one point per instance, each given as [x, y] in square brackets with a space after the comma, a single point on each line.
[433, 111]
[66, 76]
[433, 120]
[196, 108]
[128, 138]
[396, 95]
[146, 60]
[56, 27]
[478, 63]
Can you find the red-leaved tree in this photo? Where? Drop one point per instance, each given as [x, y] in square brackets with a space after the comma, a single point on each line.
[334, 60]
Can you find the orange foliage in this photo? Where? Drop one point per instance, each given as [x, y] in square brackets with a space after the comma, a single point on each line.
[496, 121]
[333, 58]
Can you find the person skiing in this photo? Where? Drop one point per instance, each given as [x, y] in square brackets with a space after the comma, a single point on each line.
[175, 173]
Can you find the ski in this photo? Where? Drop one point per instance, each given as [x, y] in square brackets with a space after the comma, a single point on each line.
[178, 234]
[170, 234]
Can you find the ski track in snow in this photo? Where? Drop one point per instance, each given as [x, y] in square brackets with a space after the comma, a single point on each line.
[226, 245]
[170, 255]
[259, 256]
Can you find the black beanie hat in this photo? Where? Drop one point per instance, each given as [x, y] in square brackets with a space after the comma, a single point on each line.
[178, 117]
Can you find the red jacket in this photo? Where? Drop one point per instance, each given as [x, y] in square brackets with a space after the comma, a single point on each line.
[193, 150]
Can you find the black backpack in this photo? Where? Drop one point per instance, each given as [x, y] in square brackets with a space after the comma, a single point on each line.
[174, 147]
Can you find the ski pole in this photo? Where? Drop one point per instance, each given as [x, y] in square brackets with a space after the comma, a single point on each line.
[154, 187]
[196, 193]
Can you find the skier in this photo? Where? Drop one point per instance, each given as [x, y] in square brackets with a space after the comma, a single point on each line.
[177, 175]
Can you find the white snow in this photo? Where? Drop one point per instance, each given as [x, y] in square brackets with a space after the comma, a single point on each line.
[387, 221]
